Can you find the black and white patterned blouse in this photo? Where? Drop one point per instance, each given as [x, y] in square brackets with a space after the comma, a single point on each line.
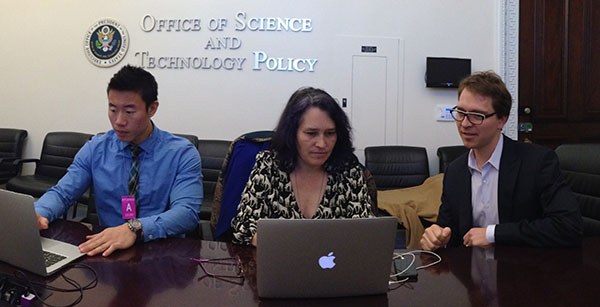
[268, 194]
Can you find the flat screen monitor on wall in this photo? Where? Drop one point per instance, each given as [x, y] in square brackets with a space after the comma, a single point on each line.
[446, 72]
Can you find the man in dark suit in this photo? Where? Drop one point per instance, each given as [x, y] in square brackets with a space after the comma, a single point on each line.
[501, 191]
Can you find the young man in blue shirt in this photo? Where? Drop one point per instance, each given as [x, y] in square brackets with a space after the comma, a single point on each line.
[147, 182]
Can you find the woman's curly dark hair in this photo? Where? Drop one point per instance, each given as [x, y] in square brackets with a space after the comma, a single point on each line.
[284, 141]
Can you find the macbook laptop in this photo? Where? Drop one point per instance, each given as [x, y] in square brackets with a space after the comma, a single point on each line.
[324, 257]
[20, 242]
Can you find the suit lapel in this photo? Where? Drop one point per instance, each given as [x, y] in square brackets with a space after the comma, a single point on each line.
[510, 163]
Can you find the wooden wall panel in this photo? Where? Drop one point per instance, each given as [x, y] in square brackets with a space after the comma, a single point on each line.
[559, 71]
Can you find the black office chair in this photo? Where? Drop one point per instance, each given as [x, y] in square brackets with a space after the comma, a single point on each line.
[580, 163]
[58, 152]
[395, 167]
[212, 153]
[447, 154]
[11, 149]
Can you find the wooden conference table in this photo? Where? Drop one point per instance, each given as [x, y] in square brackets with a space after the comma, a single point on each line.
[160, 273]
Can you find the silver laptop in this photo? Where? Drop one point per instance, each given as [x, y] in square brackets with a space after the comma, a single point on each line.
[20, 241]
[324, 257]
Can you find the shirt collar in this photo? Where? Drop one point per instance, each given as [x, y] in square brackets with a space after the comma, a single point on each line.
[494, 160]
[147, 144]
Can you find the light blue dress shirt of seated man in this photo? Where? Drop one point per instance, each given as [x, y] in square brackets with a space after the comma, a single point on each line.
[170, 183]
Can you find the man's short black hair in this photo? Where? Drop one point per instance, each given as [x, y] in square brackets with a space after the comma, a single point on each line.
[135, 79]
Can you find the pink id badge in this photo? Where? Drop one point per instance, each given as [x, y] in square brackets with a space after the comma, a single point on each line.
[128, 203]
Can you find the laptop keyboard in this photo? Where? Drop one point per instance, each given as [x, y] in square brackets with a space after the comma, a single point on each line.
[51, 258]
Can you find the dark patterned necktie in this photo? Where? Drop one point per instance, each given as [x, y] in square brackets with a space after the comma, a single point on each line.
[134, 174]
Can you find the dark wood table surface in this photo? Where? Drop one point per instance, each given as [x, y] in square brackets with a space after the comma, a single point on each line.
[159, 273]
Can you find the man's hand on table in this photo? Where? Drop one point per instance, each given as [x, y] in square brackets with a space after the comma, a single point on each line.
[108, 241]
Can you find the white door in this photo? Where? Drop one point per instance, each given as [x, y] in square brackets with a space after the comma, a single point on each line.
[369, 88]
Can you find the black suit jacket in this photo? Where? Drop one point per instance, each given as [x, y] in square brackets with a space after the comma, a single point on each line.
[535, 204]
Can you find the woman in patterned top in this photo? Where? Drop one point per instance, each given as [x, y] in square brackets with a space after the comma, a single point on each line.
[309, 172]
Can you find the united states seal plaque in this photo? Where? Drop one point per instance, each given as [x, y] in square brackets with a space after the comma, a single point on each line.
[106, 42]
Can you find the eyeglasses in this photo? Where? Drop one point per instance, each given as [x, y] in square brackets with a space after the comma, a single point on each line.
[226, 269]
[473, 117]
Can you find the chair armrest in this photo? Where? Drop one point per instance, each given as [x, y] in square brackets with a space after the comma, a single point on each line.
[7, 160]
[18, 163]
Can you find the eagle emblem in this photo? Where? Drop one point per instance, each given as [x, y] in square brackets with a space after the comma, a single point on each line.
[106, 42]
[105, 39]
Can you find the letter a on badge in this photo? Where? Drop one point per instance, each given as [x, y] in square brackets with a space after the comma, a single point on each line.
[128, 208]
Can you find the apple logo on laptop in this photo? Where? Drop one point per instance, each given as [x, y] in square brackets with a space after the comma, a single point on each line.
[326, 262]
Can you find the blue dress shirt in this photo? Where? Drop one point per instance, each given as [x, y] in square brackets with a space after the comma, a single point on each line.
[170, 183]
[484, 191]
